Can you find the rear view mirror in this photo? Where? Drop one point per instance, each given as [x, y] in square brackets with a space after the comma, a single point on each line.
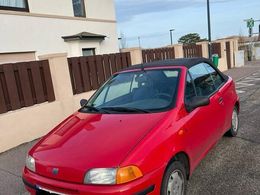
[83, 102]
[196, 102]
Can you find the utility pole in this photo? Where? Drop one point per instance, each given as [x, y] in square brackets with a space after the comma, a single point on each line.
[171, 30]
[209, 30]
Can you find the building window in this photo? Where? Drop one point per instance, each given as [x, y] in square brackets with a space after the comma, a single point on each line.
[88, 51]
[79, 8]
[15, 5]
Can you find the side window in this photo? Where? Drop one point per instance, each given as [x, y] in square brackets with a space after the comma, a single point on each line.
[218, 80]
[202, 79]
[189, 91]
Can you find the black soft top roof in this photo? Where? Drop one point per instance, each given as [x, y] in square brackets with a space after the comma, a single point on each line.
[187, 62]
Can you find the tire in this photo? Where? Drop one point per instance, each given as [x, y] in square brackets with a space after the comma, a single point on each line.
[234, 124]
[173, 173]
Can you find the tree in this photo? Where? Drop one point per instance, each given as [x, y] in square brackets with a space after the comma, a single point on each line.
[190, 38]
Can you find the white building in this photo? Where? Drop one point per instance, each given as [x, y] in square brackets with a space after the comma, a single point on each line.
[29, 28]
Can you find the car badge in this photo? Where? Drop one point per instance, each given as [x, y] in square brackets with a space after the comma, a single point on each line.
[55, 171]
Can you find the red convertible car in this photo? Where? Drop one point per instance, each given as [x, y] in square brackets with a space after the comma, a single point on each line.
[143, 132]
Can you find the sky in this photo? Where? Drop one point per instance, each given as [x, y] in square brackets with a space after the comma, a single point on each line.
[151, 20]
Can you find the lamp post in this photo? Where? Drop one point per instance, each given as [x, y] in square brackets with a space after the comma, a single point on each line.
[209, 29]
[171, 30]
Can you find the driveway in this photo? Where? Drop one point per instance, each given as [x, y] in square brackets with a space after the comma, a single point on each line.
[232, 167]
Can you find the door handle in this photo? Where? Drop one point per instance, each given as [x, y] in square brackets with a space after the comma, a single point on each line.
[220, 100]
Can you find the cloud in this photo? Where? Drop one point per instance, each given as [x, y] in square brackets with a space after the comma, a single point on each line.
[127, 9]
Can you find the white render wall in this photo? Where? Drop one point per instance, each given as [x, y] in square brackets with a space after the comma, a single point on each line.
[98, 9]
[41, 29]
[52, 7]
[101, 9]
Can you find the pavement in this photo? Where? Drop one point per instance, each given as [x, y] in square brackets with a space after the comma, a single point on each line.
[231, 167]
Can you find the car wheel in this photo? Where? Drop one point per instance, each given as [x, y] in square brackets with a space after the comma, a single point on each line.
[234, 123]
[174, 180]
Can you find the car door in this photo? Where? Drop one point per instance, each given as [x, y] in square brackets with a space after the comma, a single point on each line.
[223, 91]
[202, 124]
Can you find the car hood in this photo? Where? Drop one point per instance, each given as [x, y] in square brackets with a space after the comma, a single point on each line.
[85, 141]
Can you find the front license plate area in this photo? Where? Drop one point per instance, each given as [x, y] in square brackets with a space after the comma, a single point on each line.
[43, 191]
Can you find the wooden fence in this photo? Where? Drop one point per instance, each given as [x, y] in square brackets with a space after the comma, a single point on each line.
[89, 73]
[150, 55]
[191, 51]
[216, 49]
[25, 84]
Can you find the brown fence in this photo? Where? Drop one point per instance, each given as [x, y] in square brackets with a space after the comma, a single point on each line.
[25, 84]
[191, 51]
[216, 49]
[89, 73]
[150, 55]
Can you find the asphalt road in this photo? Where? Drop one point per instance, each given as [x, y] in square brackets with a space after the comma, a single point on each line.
[231, 168]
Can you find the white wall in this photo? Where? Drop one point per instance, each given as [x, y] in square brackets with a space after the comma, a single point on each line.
[75, 47]
[44, 35]
[239, 58]
[257, 53]
[53, 7]
[101, 9]
[98, 9]
[42, 29]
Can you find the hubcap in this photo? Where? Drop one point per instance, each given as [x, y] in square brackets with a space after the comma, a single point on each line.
[175, 184]
[234, 121]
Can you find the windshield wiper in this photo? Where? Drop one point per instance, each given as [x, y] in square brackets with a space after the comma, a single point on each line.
[126, 109]
[95, 109]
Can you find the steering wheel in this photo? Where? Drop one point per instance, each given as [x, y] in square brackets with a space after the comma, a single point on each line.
[164, 96]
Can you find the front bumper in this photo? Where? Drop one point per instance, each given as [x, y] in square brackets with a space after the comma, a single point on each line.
[148, 184]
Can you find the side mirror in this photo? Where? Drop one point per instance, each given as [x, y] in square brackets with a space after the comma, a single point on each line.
[83, 102]
[196, 102]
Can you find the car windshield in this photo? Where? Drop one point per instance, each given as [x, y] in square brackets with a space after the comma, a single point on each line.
[138, 91]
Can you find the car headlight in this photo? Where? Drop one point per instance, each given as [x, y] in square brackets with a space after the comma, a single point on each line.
[110, 176]
[100, 176]
[30, 163]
